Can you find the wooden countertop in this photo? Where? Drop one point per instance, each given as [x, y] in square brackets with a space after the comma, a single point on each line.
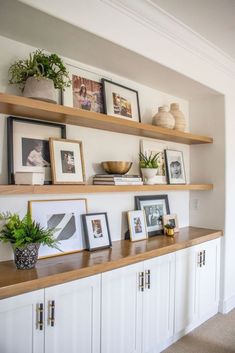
[60, 269]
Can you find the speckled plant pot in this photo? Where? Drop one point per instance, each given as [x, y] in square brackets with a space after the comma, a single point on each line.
[26, 257]
[41, 89]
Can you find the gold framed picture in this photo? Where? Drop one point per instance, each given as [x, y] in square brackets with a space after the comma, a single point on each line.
[137, 225]
[172, 220]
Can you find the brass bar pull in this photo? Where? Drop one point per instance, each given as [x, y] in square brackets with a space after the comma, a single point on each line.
[141, 281]
[204, 257]
[199, 259]
[147, 279]
[40, 316]
[51, 318]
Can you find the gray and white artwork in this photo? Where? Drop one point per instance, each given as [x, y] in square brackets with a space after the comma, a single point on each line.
[35, 152]
[154, 215]
[65, 223]
[176, 168]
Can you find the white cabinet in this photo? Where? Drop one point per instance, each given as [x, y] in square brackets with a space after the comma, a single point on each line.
[21, 323]
[137, 306]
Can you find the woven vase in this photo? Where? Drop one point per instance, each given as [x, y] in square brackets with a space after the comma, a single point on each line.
[164, 118]
[180, 122]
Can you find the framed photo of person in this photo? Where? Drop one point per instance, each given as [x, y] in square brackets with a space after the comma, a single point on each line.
[175, 167]
[86, 91]
[120, 101]
[97, 233]
[28, 146]
[67, 163]
[137, 225]
[65, 217]
[155, 207]
[172, 220]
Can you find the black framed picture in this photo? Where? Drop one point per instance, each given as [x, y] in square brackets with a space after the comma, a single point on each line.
[28, 146]
[155, 207]
[175, 167]
[120, 101]
[96, 230]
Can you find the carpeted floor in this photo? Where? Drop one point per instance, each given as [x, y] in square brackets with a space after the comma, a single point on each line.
[216, 335]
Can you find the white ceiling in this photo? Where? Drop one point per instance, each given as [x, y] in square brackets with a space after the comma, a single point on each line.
[212, 19]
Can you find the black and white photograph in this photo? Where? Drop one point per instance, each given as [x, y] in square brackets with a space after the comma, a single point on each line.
[96, 229]
[65, 217]
[155, 207]
[137, 225]
[67, 158]
[28, 146]
[171, 220]
[175, 167]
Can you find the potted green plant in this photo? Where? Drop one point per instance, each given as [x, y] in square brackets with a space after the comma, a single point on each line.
[149, 165]
[25, 236]
[169, 230]
[39, 75]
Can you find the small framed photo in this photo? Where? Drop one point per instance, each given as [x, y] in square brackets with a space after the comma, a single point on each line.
[65, 217]
[172, 220]
[96, 230]
[137, 225]
[86, 91]
[175, 167]
[28, 146]
[155, 207]
[67, 162]
[120, 101]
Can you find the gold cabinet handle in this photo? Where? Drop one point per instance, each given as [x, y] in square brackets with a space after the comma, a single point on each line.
[147, 279]
[39, 316]
[141, 281]
[204, 257]
[51, 310]
[199, 257]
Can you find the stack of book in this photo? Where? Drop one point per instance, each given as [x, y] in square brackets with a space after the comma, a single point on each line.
[117, 179]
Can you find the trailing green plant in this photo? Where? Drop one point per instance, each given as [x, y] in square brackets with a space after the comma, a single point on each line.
[40, 65]
[21, 232]
[150, 161]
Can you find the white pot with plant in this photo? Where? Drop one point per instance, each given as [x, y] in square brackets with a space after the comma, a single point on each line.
[40, 75]
[149, 167]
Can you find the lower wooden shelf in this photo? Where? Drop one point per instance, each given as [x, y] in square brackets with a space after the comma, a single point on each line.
[86, 189]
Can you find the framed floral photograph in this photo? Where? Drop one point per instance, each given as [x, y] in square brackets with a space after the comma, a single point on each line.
[175, 167]
[149, 147]
[28, 146]
[97, 233]
[155, 207]
[86, 91]
[65, 217]
[67, 162]
[171, 220]
[120, 101]
[137, 225]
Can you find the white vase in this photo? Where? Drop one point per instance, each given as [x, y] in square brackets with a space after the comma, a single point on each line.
[180, 123]
[164, 118]
[148, 175]
[40, 88]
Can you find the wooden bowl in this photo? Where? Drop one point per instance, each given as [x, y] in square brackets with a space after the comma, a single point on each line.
[116, 167]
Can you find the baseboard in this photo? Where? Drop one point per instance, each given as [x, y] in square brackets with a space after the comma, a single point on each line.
[225, 306]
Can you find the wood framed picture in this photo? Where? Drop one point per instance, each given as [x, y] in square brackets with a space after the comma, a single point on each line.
[172, 220]
[86, 91]
[155, 207]
[67, 162]
[120, 101]
[97, 233]
[137, 225]
[28, 146]
[175, 167]
[65, 217]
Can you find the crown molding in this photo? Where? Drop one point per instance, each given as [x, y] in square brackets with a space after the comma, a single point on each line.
[156, 19]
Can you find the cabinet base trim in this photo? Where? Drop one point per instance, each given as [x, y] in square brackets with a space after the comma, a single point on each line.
[225, 306]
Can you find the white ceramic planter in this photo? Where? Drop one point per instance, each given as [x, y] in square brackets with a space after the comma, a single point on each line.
[148, 175]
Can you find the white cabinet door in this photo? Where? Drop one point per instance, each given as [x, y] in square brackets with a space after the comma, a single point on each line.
[158, 303]
[185, 289]
[121, 310]
[19, 332]
[77, 317]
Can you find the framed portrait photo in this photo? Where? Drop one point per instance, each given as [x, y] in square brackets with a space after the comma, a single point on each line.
[65, 217]
[155, 207]
[67, 163]
[172, 220]
[175, 167]
[96, 230]
[137, 225]
[120, 101]
[86, 91]
[28, 146]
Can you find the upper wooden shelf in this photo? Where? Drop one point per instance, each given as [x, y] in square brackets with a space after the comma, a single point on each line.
[25, 107]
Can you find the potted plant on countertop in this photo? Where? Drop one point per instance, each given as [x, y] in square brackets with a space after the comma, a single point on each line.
[149, 165]
[25, 236]
[39, 75]
[169, 230]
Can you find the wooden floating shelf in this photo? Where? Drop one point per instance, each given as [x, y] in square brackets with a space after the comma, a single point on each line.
[86, 189]
[25, 107]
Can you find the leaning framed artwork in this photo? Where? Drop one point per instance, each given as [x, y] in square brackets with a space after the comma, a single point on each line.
[155, 207]
[172, 220]
[120, 101]
[28, 146]
[67, 162]
[65, 217]
[175, 167]
[137, 225]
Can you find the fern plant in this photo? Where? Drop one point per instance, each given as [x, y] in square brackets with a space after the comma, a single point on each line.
[150, 161]
[21, 232]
